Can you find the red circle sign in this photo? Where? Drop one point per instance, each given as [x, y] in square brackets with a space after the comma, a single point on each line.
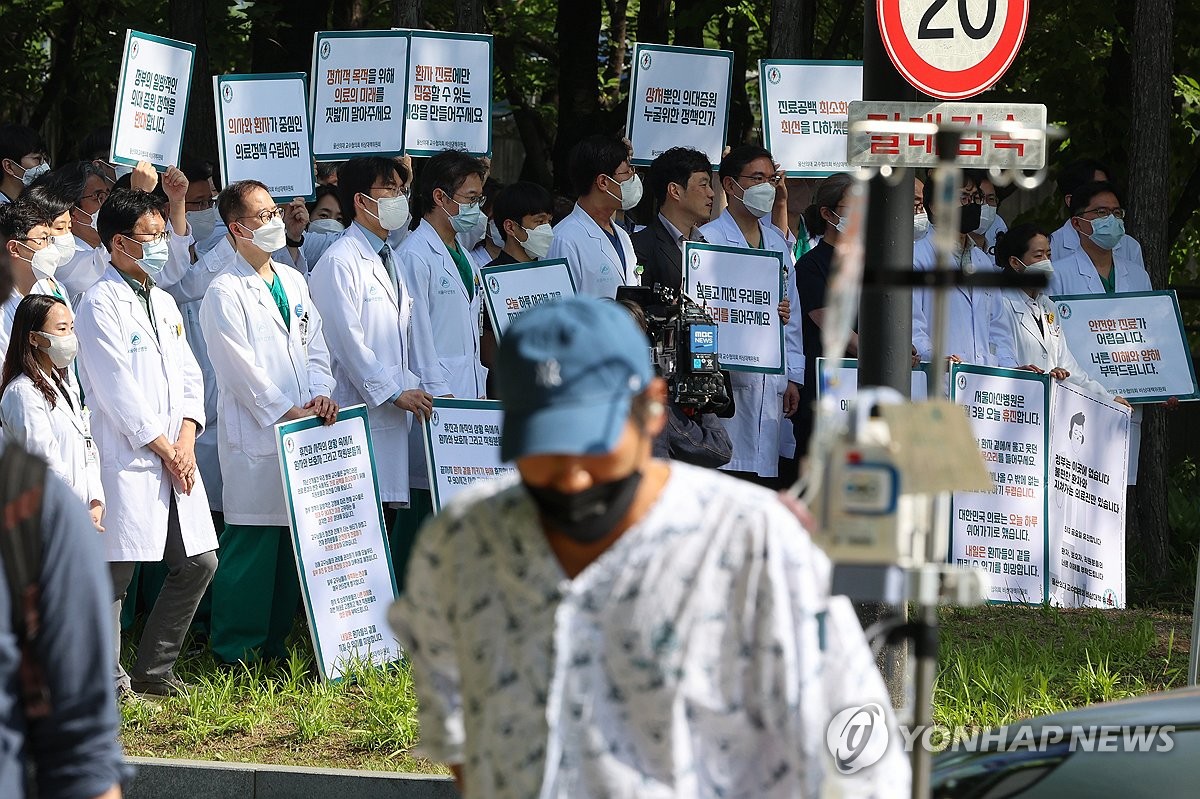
[952, 49]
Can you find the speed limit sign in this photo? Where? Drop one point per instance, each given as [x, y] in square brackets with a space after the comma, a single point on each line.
[952, 49]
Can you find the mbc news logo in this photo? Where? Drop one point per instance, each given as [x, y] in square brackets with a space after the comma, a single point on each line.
[858, 738]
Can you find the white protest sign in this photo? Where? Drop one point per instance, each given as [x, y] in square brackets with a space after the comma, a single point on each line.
[1132, 344]
[838, 378]
[1004, 532]
[741, 288]
[512, 289]
[358, 92]
[262, 124]
[449, 100]
[462, 445]
[678, 97]
[337, 532]
[804, 108]
[152, 100]
[1089, 437]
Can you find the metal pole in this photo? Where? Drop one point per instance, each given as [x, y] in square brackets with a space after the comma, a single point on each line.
[1194, 653]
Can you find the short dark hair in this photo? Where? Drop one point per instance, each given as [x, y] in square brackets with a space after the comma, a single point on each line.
[358, 175]
[929, 195]
[594, 156]
[446, 171]
[327, 168]
[1013, 243]
[122, 210]
[518, 201]
[1082, 196]
[740, 157]
[18, 141]
[231, 202]
[1079, 172]
[18, 218]
[21, 358]
[676, 165]
[44, 194]
[326, 190]
[195, 169]
[69, 181]
[828, 195]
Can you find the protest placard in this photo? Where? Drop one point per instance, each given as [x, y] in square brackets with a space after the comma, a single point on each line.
[462, 445]
[512, 289]
[1132, 344]
[742, 289]
[1004, 532]
[1089, 439]
[838, 378]
[152, 100]
[262, 124]
[341, 553]
[358, 93]
[804, 112]
[678, 97]
[449, 97]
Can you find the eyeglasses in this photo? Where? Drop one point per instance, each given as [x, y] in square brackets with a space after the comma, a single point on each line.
[154, 237]
[990, 199]
[266, 215]
[1104, 213]
[99, 196]
[41, 241]
[480, 200]
[391, 191]
[758, 178]
[200, 205]
[971, 198]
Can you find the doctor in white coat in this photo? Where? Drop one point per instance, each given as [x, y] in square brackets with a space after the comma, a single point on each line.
[759, 430]
[379, 339]
[599, 252]
[145, 391]
[1064, 242]
[39, 409]
[265, 340]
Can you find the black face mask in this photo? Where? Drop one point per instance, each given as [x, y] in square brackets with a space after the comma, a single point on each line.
[969, 218]
[589, 515]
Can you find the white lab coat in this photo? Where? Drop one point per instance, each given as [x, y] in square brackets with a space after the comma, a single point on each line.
[595, 266]
[1044, 347]
[59, 435]
[978, 329]
[263, 369]
[379, 343]
[1064, 243]
[83, 270]
[140, 384]
[759, 431]
[8, 312]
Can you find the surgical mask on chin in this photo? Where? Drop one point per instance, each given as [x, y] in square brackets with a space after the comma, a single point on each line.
[631, 192]
[589, 515]
[538, 242]
[759, 199]
[494, 234]
[271, 237]
[60, 349]
[202, 223]
[1107, 232]
[34, 172]
[987, 218]
[154, 256]
[66, 248]
[920, 225]
[392, 212]
[1044, 266]
[326, 226]
[467, 219]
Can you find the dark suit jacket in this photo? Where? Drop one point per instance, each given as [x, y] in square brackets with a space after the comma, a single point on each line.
[659, 255]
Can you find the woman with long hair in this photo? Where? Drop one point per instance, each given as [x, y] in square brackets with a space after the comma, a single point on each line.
[39, 408]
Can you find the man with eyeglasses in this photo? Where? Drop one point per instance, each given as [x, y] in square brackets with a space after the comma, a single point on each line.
[22, 160]
[598, 251]
[144, 388]
[30, 252]
[1064, 242]
[991, 224]
[267, 345]
[380, 340]
[200, 202]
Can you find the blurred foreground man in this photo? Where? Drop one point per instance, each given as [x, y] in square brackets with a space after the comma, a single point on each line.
[605, 624]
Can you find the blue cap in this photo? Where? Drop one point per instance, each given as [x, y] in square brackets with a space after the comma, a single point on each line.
[567, 372]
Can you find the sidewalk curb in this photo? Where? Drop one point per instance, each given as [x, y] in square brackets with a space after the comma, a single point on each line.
[159, 778]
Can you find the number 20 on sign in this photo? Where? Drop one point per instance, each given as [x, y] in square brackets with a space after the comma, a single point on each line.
[952, 49]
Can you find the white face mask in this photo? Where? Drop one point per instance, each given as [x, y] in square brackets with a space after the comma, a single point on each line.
[392, 213]
[920, 225]
[987, 217]
[494, 234]
[326, 226]
[631, 192]
[759, 199]
[33, 173]
[842, 222]
[45, 262]
[60, 349]
[538, 243]
[271, 237]
[66, 248]
[202, 223]
[1045, 267]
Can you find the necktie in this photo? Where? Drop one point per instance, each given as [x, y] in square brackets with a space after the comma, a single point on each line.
[385, 255]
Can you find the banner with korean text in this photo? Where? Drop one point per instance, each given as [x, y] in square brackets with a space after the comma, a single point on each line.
[678, 97]
[1004, 532]
[742, 289]
[152, 100]
[1132, 344]
[462, 445]
[512, 289]
[358, 93]
[449, 93]
[262, 124]
[804, 107]
[341, 553]
[1089, 439]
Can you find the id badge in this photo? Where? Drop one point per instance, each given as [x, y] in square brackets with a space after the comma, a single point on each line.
[92, 456]
[303, 327]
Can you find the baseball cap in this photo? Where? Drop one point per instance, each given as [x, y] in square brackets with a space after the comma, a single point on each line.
[566, 374]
